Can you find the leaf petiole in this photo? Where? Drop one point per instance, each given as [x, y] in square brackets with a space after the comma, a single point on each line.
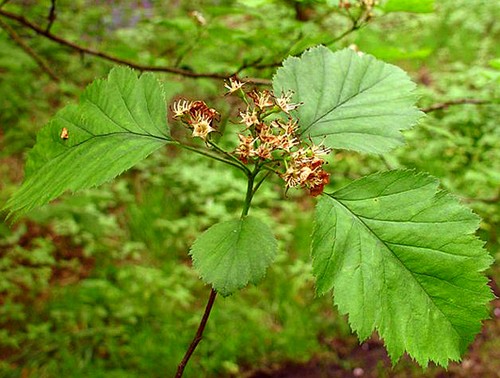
[215, 157]
[233, 158]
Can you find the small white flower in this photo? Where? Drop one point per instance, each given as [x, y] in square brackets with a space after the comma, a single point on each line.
[181, 107]
[234, 85]
[284, 102]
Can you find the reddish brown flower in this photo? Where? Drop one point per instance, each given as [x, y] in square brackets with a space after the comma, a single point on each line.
[318, 183]
[262, 99]
[245, 149]
[305, 169]
[199, 108]
[197, 116]
[249, 118]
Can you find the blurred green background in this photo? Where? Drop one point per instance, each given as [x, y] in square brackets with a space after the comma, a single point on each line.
[99, 284]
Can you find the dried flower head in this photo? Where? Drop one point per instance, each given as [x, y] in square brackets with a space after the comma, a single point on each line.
[305, 169]
[284, 102]
[198, 17]
[245, 149]
[249, 118]
[344, 4]
[197, 116]
[264, 151]
[201, 125]
[201, 108]
[181, 107]
[262, 99]
[234, 85]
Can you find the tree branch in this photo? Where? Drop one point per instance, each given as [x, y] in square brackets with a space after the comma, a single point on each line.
[28, 50]
[141, 67]
[257, 62]
[447, 104]
[52, 15]
[198, 336]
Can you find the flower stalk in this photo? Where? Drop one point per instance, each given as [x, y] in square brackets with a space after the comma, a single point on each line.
[269, 143]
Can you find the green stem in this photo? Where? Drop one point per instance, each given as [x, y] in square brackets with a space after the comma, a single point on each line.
[355, 26]
[237, 162]
[274, 110]
[250, 190]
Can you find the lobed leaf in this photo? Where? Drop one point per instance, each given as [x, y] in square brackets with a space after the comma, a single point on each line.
[231, 254]
[118, 122]
[349, 101]
[402, 259]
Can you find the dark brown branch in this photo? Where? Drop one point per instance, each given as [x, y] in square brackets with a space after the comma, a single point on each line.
[447, 104]
[198, 336]
[52, 15]
[28, 50]
[258, 65]
[141, 67]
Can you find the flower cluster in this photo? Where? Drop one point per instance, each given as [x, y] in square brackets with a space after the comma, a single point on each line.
[268, 141]
[346, 4]
[366, 6]
[276, 143]
[305, 169]
[197, 116]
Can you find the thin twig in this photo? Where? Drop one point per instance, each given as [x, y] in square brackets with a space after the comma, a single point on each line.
[261, 181]
[212, 156]
[256, 64]
[52, 15]
[355, 26]
[242, 166]
[141, 67]
[199, 334]
[447, 104]
[28, 50]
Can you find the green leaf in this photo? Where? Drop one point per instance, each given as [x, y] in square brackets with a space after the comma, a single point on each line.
[230, 254]
[413, 6]
[402, 259]
[350, 101]
[117, 123]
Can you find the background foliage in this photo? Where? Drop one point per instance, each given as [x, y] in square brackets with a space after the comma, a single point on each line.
[100, 283]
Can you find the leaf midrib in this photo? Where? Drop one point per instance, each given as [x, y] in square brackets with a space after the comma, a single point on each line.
[355, 216]
[340, 104]
[53, 157]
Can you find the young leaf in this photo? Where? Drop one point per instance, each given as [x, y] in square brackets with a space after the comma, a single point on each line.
[230, 254]
[118, 122]
[349, 101]
[402, 259]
